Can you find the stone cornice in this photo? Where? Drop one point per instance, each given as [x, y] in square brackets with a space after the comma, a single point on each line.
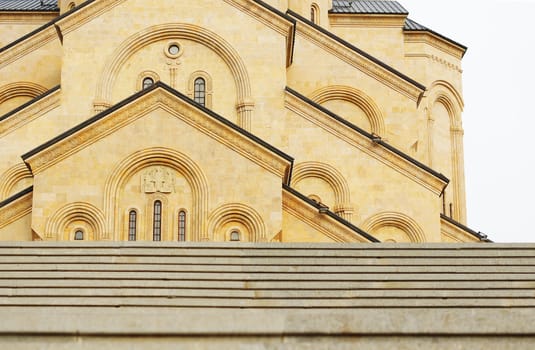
[361, 61]
[323, 223]
[435, 58]
[458, 232]
[260, 11]
[364, 144]
[19, 17]
[16, 209]
[30, 113]
[366, 20]
[84, 13]
[43, 36]
[134, 108]
[271, 17]
[434, 41]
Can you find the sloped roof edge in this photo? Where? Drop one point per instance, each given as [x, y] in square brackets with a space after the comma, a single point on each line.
[330, 214]
[369, 136]
[29, 103]
[413, 26]
[482, 237]
[358, 51]
[132, 98]
[16, 196]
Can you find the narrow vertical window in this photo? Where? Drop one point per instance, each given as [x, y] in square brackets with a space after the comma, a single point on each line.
[79, 235]
[199, 91]
[182, 226]
[132, 225]
[147, 83]
[157, 222]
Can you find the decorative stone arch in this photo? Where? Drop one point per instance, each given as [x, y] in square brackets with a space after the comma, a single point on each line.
[151, 157]
[315, 13]
[11, 177]
[444, 93]
[241, 213]
[77, 211]
[356, 97]
[146, 74]
[398, 220]
[172, 31]
[21, 89]
[334, 178]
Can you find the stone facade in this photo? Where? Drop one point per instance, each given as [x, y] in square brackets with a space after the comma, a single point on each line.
[219, 120]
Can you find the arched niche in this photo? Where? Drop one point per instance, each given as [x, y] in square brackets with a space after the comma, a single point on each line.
[142, 161]
[445, 144]
[15, 94]
[393, 226]
[15, 179]
[173, 32]
[236, 217]
[311, 178]
[352, 105]
[75, 216]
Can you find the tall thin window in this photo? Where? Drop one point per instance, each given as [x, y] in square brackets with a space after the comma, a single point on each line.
[157, 222]
[182, 226]
[132, 225]
[79, 235]
[199, 91]
[147, 82]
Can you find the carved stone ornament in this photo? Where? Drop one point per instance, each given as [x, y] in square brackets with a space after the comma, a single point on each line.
[159, 179]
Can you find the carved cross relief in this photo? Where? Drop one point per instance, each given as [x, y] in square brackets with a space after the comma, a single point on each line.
[159, 179]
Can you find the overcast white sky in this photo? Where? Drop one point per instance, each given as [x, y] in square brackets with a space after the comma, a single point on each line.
[499, 116]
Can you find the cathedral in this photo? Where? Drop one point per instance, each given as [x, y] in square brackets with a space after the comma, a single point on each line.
[229, 120]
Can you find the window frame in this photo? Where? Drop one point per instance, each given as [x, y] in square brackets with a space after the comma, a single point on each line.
[157, 220]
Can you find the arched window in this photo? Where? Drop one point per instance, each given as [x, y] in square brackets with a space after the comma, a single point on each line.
[79, 235]
[314, 13]
[147, 82]
[235, 236]
[157, 222]
[71, 5]
[199, 91]
[182, 226]
[132, 225]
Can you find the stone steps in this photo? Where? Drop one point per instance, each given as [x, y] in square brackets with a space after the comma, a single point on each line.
[195, 275]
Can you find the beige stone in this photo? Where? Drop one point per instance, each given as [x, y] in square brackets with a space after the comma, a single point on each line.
[352, 112]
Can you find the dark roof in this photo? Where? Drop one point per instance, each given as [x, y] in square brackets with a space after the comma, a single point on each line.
[16, 196]
[357, 50]
[329, 213]
[158, 85]
[368, 7]
[482, 237]
[369, 136]
[29, 5]
[412, 26]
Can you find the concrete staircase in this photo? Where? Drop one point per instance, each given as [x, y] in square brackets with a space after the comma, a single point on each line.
[266, 275]
[143, 288]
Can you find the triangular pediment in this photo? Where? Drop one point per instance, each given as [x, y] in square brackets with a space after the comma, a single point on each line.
[175, 104]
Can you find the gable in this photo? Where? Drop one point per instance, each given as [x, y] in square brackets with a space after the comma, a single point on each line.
[163, 97]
